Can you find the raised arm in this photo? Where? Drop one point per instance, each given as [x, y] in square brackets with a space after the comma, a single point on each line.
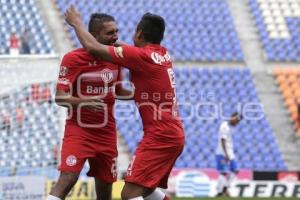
[120, 43]
[73, 18]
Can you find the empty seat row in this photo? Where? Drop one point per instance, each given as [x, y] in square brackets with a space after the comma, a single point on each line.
[277, 24]
[16, 16]
[195, 30]
[288, 83]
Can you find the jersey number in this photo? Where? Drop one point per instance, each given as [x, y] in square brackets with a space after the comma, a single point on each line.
[173, 85]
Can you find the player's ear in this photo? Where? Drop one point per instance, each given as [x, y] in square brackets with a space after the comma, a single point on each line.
[94, 34]
[139, 34]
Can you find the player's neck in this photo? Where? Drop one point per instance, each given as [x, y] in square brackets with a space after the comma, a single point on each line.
[150, 44]
[143, 44]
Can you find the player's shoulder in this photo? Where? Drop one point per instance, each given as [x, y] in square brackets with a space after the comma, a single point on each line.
[158, 54]
[224, 126]
[75, 53]
[120, 49]
[74, 57]
[146, 50]
[224, 123]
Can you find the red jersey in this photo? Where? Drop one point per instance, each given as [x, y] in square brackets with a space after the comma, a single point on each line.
[155, 89]
[14, 42]
[83, 75]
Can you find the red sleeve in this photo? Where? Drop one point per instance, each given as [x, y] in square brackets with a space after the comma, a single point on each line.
[128, 56]
[67, 74]
[120, 77]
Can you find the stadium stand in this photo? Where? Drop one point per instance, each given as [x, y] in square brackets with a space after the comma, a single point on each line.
[288, 82]
[29, 131]
[203, 94]
[205, 33]
[278, 22]
[197, 30]
[18, 15]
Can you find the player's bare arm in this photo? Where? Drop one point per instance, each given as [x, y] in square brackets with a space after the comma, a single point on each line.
[120, 43]
[121, 92]
[73, 18]
[64, 99]
[225, 149]
[124, 94]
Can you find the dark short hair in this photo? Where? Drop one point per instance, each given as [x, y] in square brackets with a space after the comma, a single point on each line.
[97, 20]
[237, 114]
[153, 28]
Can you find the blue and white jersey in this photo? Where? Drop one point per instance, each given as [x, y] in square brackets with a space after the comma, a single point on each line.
[225, 132]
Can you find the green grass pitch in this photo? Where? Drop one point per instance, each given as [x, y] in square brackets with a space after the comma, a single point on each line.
[237, 198]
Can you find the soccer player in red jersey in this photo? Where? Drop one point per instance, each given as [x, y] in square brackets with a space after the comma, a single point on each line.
[87, 86]
[152, 75]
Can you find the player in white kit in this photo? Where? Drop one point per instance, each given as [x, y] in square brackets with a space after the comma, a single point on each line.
[226, 163]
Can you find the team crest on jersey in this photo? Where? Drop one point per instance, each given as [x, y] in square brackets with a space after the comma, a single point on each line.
[63, 71]
[107, 75]
[71, 160]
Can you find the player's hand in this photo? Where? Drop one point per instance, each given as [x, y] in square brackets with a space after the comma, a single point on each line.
[94, 104]
[73, 17]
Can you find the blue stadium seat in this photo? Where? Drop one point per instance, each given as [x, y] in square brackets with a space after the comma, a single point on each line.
[29, 144]
[277, 48]
[196, 30]
[18, 15]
